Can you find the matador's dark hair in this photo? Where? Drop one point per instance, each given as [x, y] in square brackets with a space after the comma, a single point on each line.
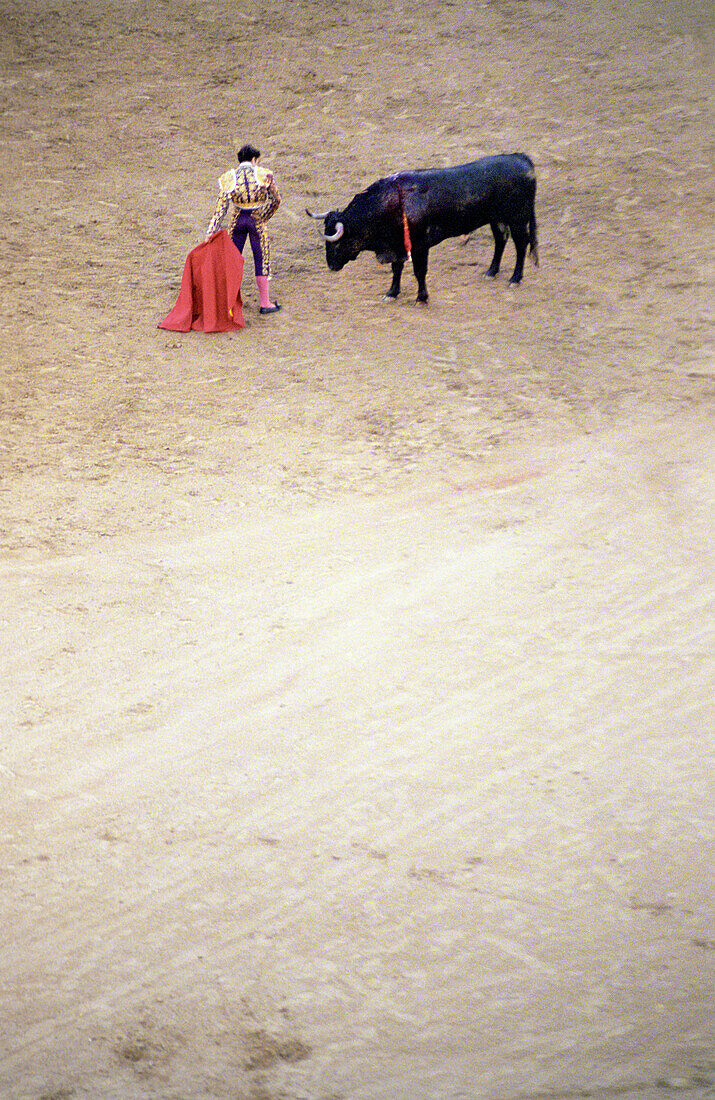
[247, 152]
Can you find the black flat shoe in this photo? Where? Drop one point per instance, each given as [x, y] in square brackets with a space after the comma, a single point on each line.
[270, 309]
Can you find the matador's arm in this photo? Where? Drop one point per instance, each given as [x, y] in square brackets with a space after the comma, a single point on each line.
[220, 213]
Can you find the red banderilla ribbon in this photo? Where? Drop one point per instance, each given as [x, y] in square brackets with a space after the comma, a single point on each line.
[405, 226]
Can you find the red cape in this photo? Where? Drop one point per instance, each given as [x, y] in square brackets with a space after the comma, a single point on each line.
[210, 296]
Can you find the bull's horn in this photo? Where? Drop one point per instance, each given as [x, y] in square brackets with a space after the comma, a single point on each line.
[319, 217]
[339, 230]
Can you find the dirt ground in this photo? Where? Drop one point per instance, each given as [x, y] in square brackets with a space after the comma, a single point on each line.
[358, 665]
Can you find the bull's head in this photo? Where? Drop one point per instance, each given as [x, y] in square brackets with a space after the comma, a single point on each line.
[337, 244]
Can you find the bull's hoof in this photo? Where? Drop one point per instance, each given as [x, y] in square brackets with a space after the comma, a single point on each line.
[514, 281]
[491, 274]
[389, 297]
[422, 301]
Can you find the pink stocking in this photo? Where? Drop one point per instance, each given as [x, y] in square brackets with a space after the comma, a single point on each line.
[263, 281]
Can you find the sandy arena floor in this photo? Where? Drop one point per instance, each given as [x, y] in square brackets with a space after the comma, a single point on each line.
[357, 666]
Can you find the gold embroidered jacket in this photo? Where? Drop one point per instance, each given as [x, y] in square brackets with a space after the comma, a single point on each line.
[248, 187]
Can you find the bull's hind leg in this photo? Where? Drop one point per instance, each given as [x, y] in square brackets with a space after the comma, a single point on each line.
[521, 240]
[501, 236]
[396, 277]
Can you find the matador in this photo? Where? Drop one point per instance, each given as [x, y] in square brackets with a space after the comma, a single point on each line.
[251, 192]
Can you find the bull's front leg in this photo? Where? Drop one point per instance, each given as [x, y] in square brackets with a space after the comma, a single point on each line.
[396, 277]
[419, 266]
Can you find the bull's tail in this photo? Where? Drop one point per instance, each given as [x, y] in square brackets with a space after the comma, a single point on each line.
[533, 240]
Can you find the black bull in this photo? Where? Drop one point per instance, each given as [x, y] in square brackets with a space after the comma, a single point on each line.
[423, 207]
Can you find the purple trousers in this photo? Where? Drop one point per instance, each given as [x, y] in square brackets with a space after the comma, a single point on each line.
[248, 226]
